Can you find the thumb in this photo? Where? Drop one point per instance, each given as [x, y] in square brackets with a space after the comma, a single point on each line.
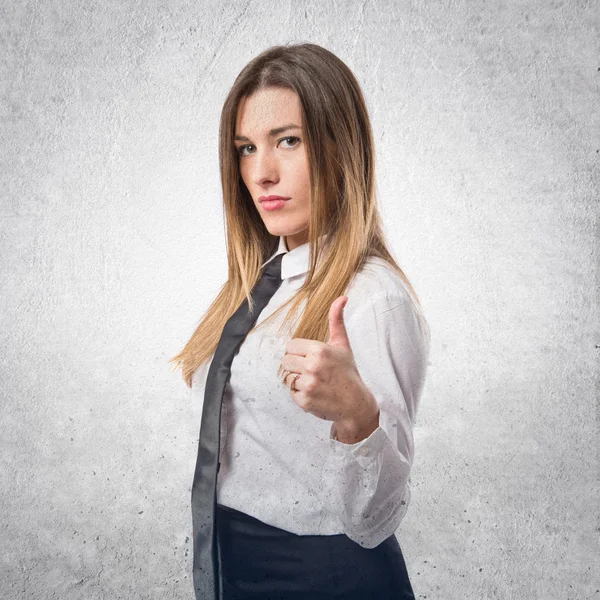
[337, 329]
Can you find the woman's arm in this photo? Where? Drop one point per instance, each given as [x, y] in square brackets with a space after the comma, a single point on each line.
[367, 483]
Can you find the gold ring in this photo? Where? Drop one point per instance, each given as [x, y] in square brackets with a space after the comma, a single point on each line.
[293, 386]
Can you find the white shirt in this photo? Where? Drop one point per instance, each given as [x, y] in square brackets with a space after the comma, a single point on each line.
[281, 464]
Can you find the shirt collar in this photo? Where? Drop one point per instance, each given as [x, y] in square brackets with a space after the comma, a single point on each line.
[294, 262]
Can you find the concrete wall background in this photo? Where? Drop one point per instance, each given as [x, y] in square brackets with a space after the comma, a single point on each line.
[112, 246]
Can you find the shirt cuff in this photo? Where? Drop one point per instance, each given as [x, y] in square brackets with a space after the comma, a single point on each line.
[364, 451]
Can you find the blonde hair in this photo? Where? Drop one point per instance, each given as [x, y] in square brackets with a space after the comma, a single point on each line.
[342, 197]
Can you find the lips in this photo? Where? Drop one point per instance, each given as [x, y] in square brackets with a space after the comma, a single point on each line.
[263, 198]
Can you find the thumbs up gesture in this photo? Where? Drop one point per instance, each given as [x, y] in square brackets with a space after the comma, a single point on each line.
[329, 385]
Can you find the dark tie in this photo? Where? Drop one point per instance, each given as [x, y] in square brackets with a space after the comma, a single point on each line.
[206, 572]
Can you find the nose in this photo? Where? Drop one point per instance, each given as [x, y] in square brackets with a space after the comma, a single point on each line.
[265, 168]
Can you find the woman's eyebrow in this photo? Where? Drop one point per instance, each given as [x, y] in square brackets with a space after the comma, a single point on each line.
[272, 133]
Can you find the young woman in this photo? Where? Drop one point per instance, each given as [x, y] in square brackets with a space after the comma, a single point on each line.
[318, 412]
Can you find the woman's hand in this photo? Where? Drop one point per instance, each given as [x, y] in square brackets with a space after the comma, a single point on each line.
[330, 386]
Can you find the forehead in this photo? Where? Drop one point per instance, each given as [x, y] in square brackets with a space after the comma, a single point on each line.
[267, 108]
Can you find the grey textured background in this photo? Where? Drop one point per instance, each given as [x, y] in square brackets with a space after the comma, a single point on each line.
[112, 246]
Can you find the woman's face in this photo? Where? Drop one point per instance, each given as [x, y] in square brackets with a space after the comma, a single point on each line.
[273, 160]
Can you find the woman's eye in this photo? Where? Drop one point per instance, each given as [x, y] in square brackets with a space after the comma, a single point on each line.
[293, 139]
[241, 149]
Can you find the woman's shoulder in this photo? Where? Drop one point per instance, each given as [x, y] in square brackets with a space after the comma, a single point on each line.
[379, 289]
[378, 278]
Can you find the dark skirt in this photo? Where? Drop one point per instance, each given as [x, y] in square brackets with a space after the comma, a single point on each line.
[259, 561]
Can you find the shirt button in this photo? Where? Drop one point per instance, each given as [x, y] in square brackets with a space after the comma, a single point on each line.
[364, 451]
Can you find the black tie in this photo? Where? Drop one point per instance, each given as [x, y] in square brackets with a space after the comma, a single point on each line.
[204, 490]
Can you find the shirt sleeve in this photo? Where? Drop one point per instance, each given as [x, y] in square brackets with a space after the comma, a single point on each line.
[367, 484]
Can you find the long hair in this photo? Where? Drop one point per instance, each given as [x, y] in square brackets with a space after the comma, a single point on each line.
[342, 197]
